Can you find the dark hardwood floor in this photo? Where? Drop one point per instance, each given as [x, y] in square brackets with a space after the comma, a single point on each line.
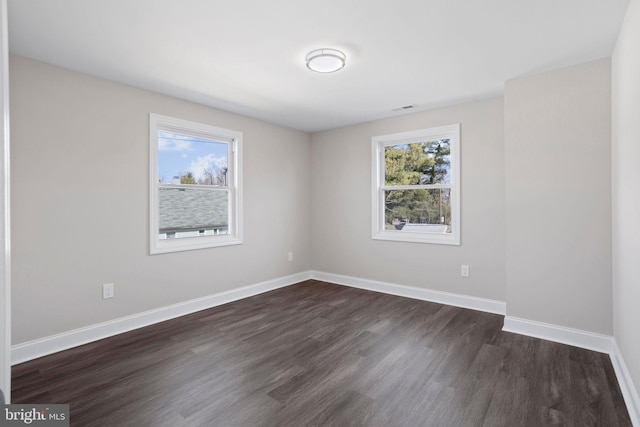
[317, 354]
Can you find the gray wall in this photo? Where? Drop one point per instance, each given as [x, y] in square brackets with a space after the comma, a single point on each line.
[80, 202]
[626, 190]
[557, 156]
[79, 166]
[5, 276]
[341, 206]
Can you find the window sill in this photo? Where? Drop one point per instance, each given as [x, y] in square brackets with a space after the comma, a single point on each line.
[191, 244]
[437, 239]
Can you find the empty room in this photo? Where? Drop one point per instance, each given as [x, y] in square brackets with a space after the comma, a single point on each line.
[355, 213]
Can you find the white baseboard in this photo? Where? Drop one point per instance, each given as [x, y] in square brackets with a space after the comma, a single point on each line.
[629, 391]
[561, 334]
[458, 300]
[48, 345]
[586, 340]
[44, 346]
[606, 344]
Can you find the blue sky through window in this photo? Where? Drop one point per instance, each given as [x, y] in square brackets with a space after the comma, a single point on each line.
[179, 154]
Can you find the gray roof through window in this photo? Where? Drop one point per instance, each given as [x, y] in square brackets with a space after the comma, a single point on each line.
[192, 209]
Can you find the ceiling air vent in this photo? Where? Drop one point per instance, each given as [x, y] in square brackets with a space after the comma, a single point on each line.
[404, 107]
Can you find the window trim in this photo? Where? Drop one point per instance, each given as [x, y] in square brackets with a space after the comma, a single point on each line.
[378, 231]
[234, 138]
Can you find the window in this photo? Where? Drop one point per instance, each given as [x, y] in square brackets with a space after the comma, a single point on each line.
[416, 186]
[195, 185]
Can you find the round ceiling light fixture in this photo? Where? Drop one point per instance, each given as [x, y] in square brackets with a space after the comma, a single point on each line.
[325, 60]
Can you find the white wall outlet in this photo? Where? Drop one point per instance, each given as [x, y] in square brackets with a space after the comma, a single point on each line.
[290, 256]
[107, 291]
[464, 270]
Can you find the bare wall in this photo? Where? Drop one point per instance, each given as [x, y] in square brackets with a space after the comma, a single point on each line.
[341, 206]
[626, 190]
[79, 167]
[558, 197]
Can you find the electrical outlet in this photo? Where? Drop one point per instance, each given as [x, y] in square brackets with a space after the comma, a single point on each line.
[464, 270]
[107, 291]
[290, 256]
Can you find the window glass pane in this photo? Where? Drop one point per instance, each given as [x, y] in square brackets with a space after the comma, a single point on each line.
[418, 211]
[423, 163]
[192, 212]
[184, 159]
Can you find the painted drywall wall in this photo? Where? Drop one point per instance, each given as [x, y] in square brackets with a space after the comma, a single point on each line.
[626, 190]
[341, 206]
[80, 203]
[558, 197]
[5, 263]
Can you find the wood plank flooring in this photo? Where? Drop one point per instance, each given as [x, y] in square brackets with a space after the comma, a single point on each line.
[318, 354]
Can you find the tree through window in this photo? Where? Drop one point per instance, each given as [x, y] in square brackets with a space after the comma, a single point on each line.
[416, 186]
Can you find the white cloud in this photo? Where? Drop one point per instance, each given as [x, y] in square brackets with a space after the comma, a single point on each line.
[173, 142]
[203, 163]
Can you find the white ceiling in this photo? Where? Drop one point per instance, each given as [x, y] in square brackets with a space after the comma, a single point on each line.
[247, 56]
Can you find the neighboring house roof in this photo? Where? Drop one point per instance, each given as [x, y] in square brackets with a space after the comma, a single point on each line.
[192, 209]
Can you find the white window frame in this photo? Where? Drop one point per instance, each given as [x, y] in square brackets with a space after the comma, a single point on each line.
[234, 138]
[378, 144]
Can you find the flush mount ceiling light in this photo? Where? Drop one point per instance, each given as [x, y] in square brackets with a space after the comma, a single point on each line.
[325, 60]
